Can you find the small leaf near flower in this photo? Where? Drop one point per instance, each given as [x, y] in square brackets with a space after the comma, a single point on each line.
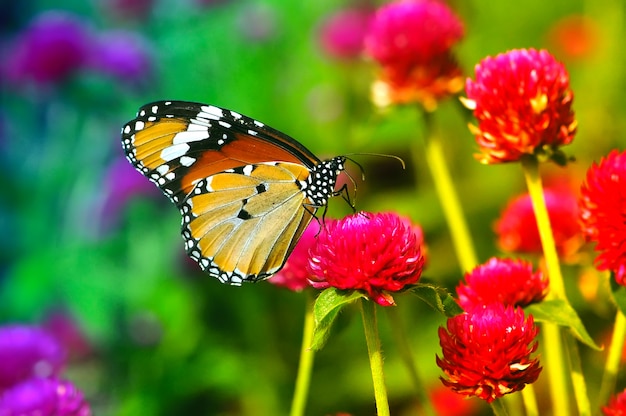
[561, 313]
[327, 306]
[437, 298]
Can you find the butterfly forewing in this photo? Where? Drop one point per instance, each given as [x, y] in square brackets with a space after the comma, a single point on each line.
[245, 190]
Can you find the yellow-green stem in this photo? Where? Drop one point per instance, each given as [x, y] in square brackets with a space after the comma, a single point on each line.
[498, 408]
[307, 356]
[552, 334]
[407, 357]
[578, 378]
[370, 326]
[453, 212]
[613, 360]
[530, 400]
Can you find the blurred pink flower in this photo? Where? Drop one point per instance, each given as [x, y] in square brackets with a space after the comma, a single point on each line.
[342, 34]
[412, 41]
[517, 226]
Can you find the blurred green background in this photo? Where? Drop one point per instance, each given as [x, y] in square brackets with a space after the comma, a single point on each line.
[159, 337]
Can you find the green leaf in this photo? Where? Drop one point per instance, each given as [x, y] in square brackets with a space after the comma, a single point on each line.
[619, 294]
[327, 306]
[561, 313]
[437, 298]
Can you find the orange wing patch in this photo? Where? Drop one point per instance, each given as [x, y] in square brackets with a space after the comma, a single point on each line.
[153, 138]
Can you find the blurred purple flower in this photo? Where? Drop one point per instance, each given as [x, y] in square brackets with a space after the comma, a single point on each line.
[342, 34]
[65, 329]
[27, 352]
[54, 46]
[122, 183]
[124, 55]
[39, 396]
[258, 22]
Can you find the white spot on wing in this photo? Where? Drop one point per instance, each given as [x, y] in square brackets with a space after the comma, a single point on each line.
[190, 136]
[175, 151]
[163, 169]
[187, 161]
[139, 125]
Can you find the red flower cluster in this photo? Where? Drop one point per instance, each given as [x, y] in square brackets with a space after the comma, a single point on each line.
[294, 275]
[375, 253]
[522, 101]
[617, 405]
[487, 353]
[412, 42]
[505, 281]
[602, 207]
[517, 226]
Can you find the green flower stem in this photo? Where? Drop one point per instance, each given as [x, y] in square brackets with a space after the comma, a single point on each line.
[368, 312]
[407, 357]
[578, 378]
[613, 360]
[530, 400]
[461, 239]
[307, 355]
[551, 332]
[498, 408]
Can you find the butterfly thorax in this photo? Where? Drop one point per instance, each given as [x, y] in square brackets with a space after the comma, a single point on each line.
[320, 184]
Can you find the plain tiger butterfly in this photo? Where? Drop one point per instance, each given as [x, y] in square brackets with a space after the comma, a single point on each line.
[246, 192]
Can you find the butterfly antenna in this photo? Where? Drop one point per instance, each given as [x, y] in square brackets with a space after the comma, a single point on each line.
[398, 158]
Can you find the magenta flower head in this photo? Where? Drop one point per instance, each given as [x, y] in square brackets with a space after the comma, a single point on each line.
[374, 253]
[602, 206]
[341, 34]
[28, 352]
[523, 104]
[123, 55]
[40, 396]
[487, 352]
[53, 47]
[517, 226]
[295, 274]
[616, 406]
[505, 281]
[412, 41]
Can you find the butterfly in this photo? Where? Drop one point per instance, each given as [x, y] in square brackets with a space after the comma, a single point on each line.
[246, 192]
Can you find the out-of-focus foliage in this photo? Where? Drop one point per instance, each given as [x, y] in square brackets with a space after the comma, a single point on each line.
[81, 233]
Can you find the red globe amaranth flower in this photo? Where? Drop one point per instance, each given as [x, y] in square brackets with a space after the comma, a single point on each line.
[39, 396]
[523, 103]
[27, 352]
[616, 406]
[602, 207]
[294, 275]
[341, 35]
[505, 281]
[375, 253]
[517, 226]
[412, 42]
[54, 46]
[487, 352]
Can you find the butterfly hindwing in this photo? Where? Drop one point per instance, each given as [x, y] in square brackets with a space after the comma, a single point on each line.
[242, 224]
